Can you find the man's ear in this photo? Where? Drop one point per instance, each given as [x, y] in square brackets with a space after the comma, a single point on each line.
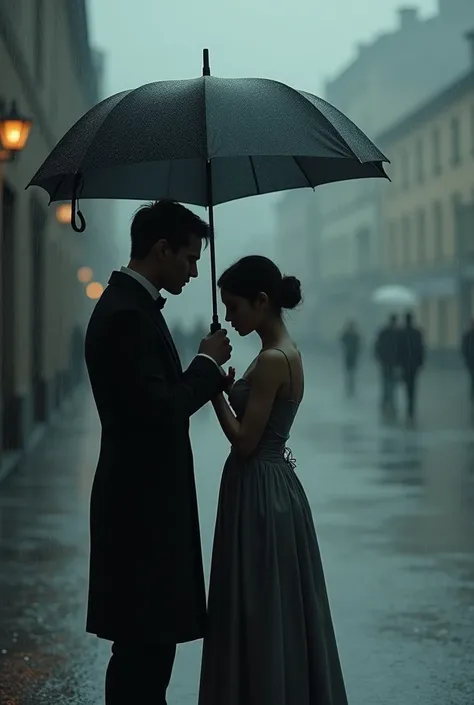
[161, 247]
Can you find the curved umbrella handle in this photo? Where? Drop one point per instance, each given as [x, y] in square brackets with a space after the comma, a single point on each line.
[82, 223]
[75, 206]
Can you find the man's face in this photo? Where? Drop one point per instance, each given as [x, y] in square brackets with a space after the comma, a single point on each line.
[177, 268]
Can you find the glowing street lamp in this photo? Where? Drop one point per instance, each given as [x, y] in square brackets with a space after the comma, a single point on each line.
[94, 290]
[85, 274]
[64, 213]
[14, 130]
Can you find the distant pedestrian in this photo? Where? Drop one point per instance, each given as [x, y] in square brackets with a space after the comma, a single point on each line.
[411, 358]
[467, 352]
[386, 354]
[351, 344]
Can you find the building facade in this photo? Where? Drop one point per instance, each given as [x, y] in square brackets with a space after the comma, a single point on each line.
[385, 82]
[296, 247]
[427, 213]
[49, 69]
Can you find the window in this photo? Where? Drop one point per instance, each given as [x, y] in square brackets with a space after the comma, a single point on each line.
[39, 39]
[456, 203]
[472, 130]
[363, 249]
[420, 167]
[436, 144]
[405, 237]
[393, 258]
[438, 230]
[443, 330]
[405, 164]
[421, 236]
[455, 141]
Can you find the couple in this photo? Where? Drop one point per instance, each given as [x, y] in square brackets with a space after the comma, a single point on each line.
[267, 629]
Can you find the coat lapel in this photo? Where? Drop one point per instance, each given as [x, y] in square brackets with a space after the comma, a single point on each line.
[164, 330]
[145, 301]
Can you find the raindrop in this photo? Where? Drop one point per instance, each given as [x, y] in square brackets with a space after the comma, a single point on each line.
[27, 658]
[15, 635]
[4, 651]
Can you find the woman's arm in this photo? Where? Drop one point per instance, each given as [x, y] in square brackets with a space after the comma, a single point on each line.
[267, 378]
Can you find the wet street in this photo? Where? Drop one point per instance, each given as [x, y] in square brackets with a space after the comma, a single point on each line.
[393, 508]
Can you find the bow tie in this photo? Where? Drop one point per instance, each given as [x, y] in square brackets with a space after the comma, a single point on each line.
[160, 302]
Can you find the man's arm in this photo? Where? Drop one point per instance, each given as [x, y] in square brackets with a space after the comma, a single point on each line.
[143, 372]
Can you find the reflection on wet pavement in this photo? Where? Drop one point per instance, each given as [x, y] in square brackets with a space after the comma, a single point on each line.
[393, 507]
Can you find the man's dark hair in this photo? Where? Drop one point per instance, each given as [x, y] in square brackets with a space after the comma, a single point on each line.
[166, 220]
[393, 319]
[408, 318]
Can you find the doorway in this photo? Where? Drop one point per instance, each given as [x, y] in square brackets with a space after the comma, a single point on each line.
[9, 418]
[38, 229]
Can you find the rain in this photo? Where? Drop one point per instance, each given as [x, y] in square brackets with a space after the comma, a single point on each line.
[376, 222]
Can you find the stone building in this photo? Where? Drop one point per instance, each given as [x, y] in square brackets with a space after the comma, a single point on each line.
[49, 69]
[389, 78]
[427, 213]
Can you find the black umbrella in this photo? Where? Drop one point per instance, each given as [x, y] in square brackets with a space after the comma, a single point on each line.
[206, 141]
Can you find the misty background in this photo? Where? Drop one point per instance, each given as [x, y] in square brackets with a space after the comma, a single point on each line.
[302, 43]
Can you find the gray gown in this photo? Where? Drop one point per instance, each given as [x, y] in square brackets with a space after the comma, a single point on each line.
[270, 639]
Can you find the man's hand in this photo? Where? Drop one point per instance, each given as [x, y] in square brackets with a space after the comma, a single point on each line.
[217, 346]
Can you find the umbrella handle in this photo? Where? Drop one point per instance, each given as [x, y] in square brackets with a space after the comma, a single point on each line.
[77, 185]
[82, 223]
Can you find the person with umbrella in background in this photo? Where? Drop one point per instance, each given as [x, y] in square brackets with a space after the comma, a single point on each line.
[411, 358]
[350, 343]
[386, 354]
[467, 353]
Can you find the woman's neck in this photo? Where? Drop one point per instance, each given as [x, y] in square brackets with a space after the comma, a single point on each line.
[272, 334]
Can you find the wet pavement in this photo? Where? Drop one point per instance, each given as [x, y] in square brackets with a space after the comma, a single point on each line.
[393, 508]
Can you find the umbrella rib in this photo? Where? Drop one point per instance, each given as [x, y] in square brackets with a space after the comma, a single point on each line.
[254, 174]
[297, 162]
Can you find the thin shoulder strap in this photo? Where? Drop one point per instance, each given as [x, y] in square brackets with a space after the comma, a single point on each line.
[289, 368]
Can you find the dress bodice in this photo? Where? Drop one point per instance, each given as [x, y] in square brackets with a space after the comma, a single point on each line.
[277, 431]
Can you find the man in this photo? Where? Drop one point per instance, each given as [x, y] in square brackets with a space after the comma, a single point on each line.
[385, 351]
[350, 342]
[146, 588]
[467, 352]
[411, 357]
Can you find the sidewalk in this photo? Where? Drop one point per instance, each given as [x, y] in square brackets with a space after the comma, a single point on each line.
[393, 513]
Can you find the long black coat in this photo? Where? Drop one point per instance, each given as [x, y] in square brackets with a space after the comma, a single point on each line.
[146, 574]
[411, 350]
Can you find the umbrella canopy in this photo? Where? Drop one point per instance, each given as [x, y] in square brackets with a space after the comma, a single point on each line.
[155, 141]
[395, 296]
[205, 141]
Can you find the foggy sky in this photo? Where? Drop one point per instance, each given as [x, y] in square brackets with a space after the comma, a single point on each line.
[299, 42]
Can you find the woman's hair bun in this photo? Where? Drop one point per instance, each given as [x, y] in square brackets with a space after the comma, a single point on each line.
[290, 292]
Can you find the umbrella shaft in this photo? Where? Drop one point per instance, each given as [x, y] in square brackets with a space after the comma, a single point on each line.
[215, 319]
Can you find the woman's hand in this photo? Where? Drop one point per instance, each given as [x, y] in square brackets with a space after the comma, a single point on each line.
[229, 380]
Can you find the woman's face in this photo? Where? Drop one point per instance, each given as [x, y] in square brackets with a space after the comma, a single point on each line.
[243, 315]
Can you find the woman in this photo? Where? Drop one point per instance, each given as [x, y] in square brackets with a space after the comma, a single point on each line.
[270, 639]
